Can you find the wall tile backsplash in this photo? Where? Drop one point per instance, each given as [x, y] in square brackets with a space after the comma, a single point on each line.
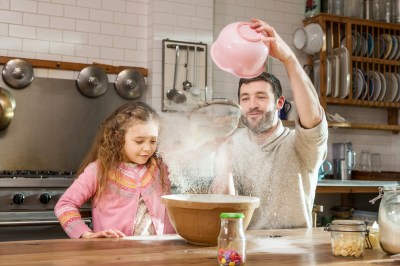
[130, 33]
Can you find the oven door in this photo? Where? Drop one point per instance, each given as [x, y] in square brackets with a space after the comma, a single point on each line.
[15, 226]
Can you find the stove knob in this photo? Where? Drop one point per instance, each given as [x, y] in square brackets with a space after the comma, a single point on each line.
[45, 198]
[18, 198]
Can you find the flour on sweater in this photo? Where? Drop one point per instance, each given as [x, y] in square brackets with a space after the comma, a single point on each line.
[282, 172]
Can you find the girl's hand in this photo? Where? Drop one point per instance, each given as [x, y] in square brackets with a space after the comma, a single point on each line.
[110, 233]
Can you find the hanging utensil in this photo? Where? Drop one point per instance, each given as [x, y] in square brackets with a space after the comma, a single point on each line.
[187, 84]
[173, 94]
[7, 107]
[92, 81]
[195, 90]
[130, 84]
[18, 73]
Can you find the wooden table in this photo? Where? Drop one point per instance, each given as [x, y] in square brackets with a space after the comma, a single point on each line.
[294, 247]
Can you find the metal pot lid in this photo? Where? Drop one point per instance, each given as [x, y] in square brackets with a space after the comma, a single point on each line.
[18, 73]
[7, 107]
[130, 84]
[92, 81]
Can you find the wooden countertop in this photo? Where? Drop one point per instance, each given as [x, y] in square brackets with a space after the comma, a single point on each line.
[294, 247]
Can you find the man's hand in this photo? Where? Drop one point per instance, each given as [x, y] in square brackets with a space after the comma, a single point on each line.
[278, 48]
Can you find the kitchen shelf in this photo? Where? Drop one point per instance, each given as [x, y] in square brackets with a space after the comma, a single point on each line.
[73, 66]
[339, 30]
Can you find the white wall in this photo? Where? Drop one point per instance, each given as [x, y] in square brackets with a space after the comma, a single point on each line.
[130, 33]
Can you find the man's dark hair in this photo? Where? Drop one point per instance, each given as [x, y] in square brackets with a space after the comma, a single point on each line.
[268, 77]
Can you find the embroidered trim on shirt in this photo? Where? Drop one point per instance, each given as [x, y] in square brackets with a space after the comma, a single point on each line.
[129, 180]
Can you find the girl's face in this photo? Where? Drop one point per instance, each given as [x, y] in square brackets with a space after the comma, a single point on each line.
[141, 142]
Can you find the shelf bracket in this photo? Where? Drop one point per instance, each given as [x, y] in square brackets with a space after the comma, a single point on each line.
[393, 118]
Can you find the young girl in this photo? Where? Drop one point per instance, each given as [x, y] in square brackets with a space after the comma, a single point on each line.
[123, 177]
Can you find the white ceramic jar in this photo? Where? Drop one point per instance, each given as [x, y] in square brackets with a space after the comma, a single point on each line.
[389, 220]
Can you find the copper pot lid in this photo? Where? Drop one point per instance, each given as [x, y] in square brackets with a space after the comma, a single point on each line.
[7, 107]
[130, 84]
[18, 73]
[92, 81]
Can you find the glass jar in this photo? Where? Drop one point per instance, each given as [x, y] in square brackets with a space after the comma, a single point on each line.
[348, 237]
[389, 220]
[231, 240]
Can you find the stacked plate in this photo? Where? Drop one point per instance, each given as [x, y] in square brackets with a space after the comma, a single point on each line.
[338, 73]
[384, 46]
[376, 86]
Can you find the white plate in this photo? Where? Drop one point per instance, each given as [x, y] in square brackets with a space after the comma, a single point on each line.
[398, 91]
[377, 85]
[388, 46]
[394, 47]
[335, 76]
[353, 43]
[316, 80]
[383, 86]
[397, 56]
[391, 87]
[395, 86]
[359, 83]
[369, 88]
[328, 77]
[344, 57]
[360, 44]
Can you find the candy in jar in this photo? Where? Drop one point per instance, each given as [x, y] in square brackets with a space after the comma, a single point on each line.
[231, 240]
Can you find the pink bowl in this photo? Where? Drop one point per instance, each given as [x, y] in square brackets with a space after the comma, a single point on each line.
[240, 50]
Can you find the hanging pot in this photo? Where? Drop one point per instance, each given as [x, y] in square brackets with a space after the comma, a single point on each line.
[7, 106]
[18, 73]
[92, 81]
[130, 84]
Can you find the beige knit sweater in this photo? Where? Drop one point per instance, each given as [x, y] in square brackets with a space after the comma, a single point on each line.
[282, 172]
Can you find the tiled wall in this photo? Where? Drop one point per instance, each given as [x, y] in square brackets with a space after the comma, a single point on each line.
[130, 32]
[83, 31]
[180, 20]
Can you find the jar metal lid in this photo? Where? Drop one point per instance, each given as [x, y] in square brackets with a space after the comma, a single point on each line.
[391, 188]
[231, 215]
[347, 226]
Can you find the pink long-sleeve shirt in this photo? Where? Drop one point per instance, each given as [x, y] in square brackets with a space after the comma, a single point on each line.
[117, 207]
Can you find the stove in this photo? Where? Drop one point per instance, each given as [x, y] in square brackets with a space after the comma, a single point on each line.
[27, 199]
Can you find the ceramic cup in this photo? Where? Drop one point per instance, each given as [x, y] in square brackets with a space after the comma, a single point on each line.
[325, 168]
[283, 113]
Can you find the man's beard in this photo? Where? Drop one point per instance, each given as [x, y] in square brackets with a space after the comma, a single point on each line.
[265, 123]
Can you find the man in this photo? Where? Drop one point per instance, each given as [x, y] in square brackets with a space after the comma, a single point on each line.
[267, 160]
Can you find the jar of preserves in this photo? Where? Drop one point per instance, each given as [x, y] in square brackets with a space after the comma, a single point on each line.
[231, 240]
[348, 237]
[389, 219]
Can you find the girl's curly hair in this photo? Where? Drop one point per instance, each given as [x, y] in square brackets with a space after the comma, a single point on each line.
[107, 148]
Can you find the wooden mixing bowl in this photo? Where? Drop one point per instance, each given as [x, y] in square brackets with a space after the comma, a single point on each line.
[195, 217]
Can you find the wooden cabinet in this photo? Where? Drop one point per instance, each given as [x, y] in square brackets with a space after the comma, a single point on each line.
[373, 49]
